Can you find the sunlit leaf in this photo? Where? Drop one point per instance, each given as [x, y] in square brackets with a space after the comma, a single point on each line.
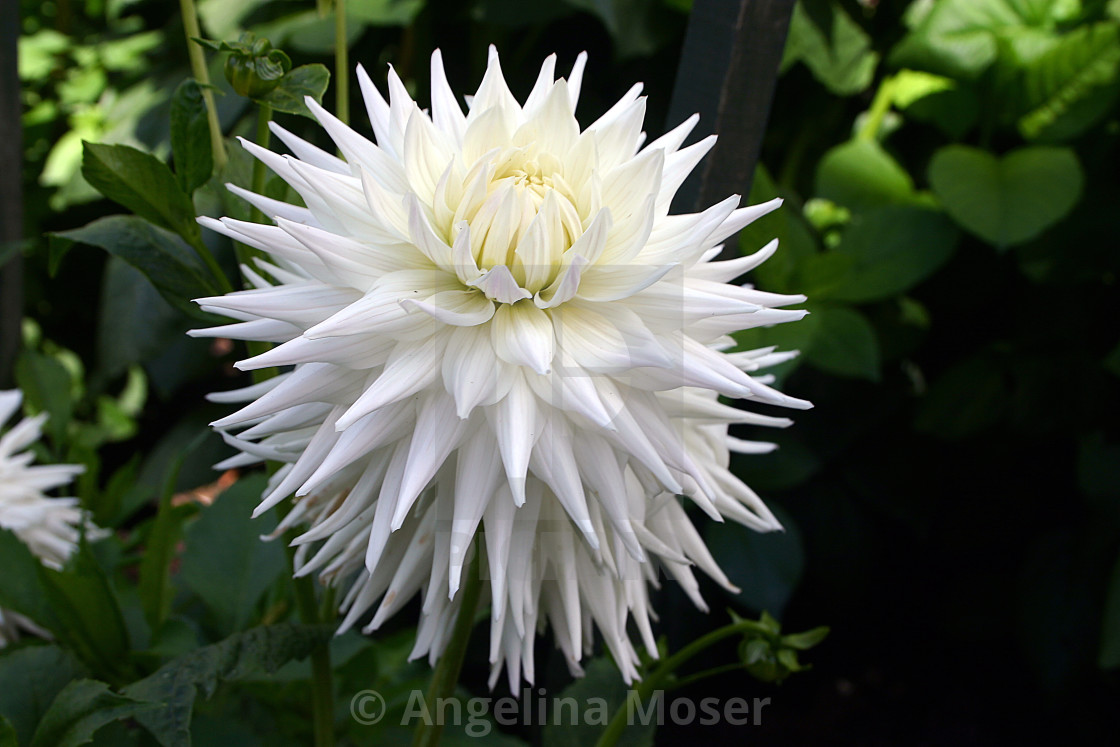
[1006, 200]
[190, 136]
[142, 183]
[860, 175]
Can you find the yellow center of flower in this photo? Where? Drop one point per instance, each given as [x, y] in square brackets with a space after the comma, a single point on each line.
[526, 219]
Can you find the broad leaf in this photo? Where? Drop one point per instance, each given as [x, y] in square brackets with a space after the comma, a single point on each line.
[178, 682]
[30, 678]
[155, 584]
[87, 615]
[1007, 200]
[1109, 657]
[8, 737]
[77, 605]
[765, 567]
[190, 136]
[166, 260]
[844, 343]
[832, 46]
[960, 38]
[225, 562]
[22, 587]
[601, 694]
[1069, 88]
[891, 250]
[298, 83]
[795, 238]
[83, 707]
[966, 399]
[142, 183]
[860, 175]
[46, 384]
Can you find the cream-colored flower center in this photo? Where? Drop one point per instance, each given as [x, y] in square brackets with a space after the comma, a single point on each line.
[526, 219]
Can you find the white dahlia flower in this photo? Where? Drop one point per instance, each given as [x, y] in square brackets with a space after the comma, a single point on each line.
[50, 527]
[497, 329]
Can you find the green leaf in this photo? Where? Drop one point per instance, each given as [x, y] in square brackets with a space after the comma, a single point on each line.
[601, 693]
[832, 46]
[155, 583]
[860, 175]
[30, 678]
[190, 136]
[944, 102]
[8, 736]
[1069, 88]
[77, 604]
[966, 399]
[633, 25]
[800, 335]
[87, 616]
[178, 682]
[765, 567]
[844, 343]
[892, 249]
[225, 562]
[1007, 200]
[1109, 657]
[807, 640]
[21, 586]
[305, 80]
[83, 707]
[142, 183]
[1098, 474]
[787, 225]
[46, 384]
[960, 38]
[165, 259]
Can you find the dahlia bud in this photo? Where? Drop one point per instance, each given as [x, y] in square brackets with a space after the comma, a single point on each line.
[253, 67]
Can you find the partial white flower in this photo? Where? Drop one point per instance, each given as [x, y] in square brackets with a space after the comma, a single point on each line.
[50, 527]
[496, 328]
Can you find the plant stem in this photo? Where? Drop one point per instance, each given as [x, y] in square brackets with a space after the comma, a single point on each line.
[263, 138]
[652, 683]
[880, 105]
[446, 674]
[322, 685]
[246, 254]
[341, 63]
[202, 75]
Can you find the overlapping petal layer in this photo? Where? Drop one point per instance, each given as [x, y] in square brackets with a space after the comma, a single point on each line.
[497, 331]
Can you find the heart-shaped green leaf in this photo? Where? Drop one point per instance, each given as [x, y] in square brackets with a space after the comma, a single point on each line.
[1006, 200]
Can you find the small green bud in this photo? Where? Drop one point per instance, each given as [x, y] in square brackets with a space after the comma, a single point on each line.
[253, 67]
[770, 656]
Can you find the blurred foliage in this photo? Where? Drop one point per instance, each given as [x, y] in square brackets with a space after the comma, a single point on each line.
[952, 504]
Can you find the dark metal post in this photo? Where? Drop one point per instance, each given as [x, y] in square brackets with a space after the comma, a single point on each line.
[728, 71]
[11, 189]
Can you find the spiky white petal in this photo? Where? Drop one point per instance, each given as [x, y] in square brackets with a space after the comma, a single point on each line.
[497, 328]
[50, 527]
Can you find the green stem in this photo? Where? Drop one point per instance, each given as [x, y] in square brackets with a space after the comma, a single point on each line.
[264, 137]
[446, 674]
[653, 682]
[880, 105]
[341, 63]
[322, 685]
[202, 75]
[246, 254]
[696, 677]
